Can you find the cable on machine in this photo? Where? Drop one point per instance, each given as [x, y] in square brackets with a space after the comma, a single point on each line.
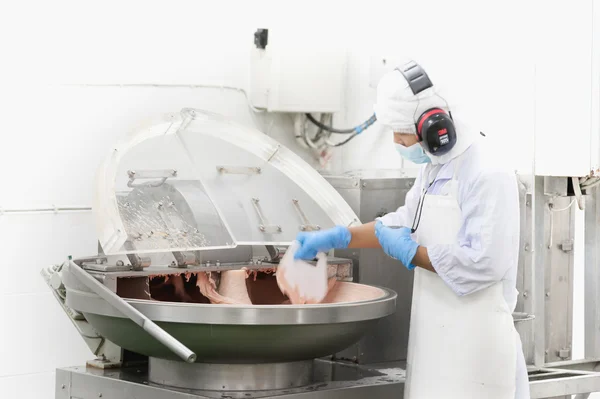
[355, 130]
[341, 143]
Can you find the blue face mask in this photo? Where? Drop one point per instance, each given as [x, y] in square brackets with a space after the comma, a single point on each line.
[414, 153]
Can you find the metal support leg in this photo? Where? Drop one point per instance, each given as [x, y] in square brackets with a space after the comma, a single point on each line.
[540, 217]
[526, 275]
[592, 275]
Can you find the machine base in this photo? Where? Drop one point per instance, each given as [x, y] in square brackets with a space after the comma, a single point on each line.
[331, 380]
[230, 377]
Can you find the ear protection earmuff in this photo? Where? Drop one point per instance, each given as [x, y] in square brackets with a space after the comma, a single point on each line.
[435, 127]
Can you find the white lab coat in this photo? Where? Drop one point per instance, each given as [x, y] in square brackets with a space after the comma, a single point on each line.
[487, 246]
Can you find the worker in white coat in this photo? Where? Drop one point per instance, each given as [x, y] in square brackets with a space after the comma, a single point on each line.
[459, 232]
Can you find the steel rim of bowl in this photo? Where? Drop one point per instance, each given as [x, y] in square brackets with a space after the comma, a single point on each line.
[176, 312]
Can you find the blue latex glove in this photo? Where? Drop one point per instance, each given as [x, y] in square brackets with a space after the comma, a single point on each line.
[397, 243]
[322, 241]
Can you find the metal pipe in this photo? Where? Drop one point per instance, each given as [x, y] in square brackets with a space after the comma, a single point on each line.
[54, 209]
[171, 86]
[132, 313]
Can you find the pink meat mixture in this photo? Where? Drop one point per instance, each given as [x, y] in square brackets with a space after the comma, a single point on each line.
[246, 287]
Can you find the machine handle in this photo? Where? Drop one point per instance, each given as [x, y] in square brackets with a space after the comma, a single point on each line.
[132, 313]
[519, 317]
[163, 175]
[167, 339]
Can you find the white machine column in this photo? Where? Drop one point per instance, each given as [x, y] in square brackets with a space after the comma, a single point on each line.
[592, 275]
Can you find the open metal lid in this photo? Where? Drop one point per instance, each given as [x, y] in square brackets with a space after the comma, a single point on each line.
[198, 181]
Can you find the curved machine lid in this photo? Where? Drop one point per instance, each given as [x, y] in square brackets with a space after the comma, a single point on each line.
[199, 181]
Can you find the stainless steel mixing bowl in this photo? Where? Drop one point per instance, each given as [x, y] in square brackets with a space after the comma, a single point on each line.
[238, 333]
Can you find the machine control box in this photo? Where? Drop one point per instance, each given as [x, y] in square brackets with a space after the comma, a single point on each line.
[296, 76]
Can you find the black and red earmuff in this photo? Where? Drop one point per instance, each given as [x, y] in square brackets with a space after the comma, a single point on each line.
[435, 127]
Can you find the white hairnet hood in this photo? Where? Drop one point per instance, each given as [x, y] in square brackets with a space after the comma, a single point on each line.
[398, 108]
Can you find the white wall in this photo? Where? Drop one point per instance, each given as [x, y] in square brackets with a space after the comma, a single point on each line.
[53, 137]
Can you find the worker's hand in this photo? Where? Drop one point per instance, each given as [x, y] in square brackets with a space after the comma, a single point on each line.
[397, 243]
[322, 241]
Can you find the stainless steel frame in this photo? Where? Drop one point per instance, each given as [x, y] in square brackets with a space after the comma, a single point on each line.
[371, 196]
[547, 291]
[550, 289]
[565, 378]
[231, 377]
[332, 380]
[592, 275]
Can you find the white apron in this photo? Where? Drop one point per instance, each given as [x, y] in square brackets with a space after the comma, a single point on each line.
[459, 347]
